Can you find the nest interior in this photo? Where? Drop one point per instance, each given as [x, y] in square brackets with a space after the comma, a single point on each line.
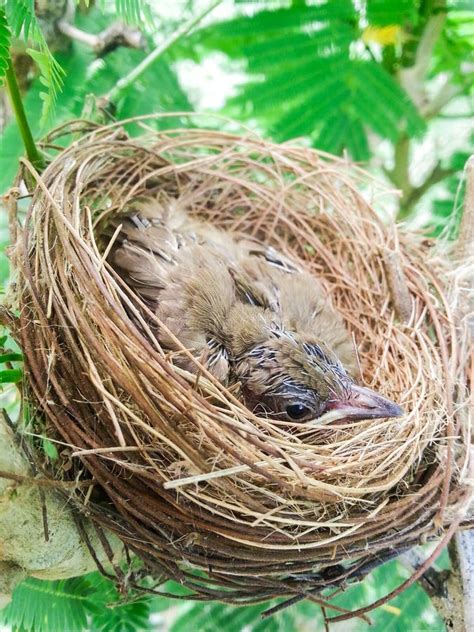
[230, 505]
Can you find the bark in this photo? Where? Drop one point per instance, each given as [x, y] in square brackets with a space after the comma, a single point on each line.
[412, 79]
[451, 592]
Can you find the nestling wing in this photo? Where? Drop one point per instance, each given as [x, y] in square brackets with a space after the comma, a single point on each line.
[216, 292]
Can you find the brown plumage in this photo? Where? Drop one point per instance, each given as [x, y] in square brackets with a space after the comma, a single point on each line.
[247, 313]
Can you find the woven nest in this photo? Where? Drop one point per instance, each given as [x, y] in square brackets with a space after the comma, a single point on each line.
[234, 506]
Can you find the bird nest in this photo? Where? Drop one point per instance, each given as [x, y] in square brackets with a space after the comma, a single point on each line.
[232, 505]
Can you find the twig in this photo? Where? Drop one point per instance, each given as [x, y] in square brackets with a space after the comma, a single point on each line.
[115, 35]
[44, 482]
[400, 294]
[132, 76]
[7, 318]
[412, 78]
[414, 194]
[199, 478]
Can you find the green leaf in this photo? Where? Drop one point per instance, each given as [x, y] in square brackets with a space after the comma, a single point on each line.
[344, 96]
[385, 13]
[84, 603]
[123, 617]
[268, 21]
[22, 19]
[156, 90]
[11, 357]
[374, 113]
[324, 43]
[10, 376]
[309, 25]
[289, 84]
[50, 449]
[331, 136]
[48, 606]
[341, 132]
[51, 77]
[138, 12]
[4, 44]
[326, 97]
[356, 141]
[110, 613]
[377, 81]
[307, 78]
[24, 24]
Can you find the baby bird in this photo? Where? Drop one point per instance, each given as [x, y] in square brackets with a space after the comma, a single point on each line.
[247, 313]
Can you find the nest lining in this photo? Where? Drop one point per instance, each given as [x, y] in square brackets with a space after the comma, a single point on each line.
[233, 506]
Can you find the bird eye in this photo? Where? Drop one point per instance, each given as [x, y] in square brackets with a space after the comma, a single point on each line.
[297, 411]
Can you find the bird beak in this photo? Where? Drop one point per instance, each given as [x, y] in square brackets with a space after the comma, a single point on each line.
[363, 403]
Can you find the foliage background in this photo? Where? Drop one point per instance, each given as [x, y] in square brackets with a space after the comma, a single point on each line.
[386, 82]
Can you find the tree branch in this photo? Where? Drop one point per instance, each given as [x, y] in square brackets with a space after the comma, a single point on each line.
[452, 591]
[115, 35]
[400, 177]
[400, 174]
[412, 79]
[444, 588]
[413, 194]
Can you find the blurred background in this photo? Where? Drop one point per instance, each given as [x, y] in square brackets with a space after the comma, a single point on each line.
[386, 83]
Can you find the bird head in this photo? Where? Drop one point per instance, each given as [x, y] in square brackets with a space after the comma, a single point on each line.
[293, 377]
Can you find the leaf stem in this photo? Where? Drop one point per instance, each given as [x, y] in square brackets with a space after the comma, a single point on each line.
[129, 79]
[32, 151]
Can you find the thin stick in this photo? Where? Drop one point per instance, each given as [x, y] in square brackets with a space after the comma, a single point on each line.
[129, 79]
[199, 478]
[109, 245]
[43, 482]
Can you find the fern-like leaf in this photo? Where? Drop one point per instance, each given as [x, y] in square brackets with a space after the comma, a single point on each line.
[333, 132]
[127, 617]
[51, 77]
[4, 44]
[83, 603]
[268, 30]
[138, 12]
[327, 41]
[24, 24]
[108, 613]
[47, 606]
[333, 100]
[356, 140]
[327, 96]
[268, 21]
[217, 617]
[289, 83]
[383, 13]
[311, 75]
